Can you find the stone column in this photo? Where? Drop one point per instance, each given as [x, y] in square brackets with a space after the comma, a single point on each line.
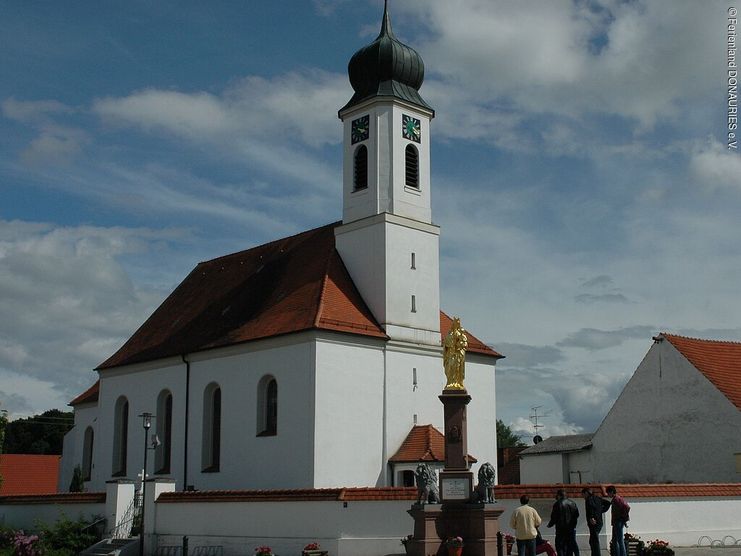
[155, 487]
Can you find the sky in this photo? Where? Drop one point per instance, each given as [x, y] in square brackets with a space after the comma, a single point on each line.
[581, 176]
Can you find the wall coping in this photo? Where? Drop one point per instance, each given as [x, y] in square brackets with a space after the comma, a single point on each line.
[55, 498]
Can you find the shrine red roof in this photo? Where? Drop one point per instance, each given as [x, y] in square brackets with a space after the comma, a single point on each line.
[719, 361]
[290, 285]
[423, 443]
[28, 474]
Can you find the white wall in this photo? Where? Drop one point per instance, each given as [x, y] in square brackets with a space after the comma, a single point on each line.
[348, 430]
[542, 469]
[72, 452]
[27, 516]
[683, 420]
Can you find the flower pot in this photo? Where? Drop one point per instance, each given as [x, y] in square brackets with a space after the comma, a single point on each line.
[509, 547]
[455, 550]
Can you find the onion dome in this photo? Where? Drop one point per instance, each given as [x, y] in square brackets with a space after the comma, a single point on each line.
[386, 68]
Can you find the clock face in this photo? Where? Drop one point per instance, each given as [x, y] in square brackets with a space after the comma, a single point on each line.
[411, 128]
[360, 129]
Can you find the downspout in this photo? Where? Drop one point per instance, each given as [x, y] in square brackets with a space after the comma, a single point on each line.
[384, 452]
[187, 420]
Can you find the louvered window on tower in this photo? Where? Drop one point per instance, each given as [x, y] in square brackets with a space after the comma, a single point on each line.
[360, 179]
[412, 166]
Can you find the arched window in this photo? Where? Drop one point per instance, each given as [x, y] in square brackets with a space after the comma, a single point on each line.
[87, 454]
[360, 168]
[120, 436]
[162, 454]
[412, 166]
[267, 407]
[211, 449]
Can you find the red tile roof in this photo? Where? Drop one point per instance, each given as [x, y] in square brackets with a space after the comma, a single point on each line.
[423, 443]
[673, 490]
[28, 474]
[719, 361]
[410, 493]
[57, 498]
[88, 396]
[291, 495]
[289, 285]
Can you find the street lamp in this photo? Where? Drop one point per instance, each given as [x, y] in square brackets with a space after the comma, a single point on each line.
[147, 424]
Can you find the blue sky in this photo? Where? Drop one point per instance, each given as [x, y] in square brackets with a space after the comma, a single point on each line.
[581, 178]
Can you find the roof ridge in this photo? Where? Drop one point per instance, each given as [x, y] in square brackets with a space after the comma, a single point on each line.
[323, 289]
[269, 243]
[705, 340]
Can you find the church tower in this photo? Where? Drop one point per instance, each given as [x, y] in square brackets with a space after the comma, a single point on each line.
[387, 239]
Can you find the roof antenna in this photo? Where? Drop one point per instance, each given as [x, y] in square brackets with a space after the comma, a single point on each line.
[536, 425]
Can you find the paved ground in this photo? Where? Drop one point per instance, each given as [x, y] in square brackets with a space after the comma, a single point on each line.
[707, 551]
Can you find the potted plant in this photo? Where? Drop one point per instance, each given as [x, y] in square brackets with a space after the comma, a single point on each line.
[313, 549]
[264, 551]
[454, 546]
[657, 547]
[509, 542]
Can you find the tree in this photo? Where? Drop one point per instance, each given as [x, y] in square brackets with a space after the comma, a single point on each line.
[40, 434]
[507, 438]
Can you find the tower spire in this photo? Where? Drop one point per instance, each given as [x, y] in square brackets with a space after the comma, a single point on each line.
[386, 22]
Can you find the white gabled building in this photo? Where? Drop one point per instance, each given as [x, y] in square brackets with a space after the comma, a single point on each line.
[677, 420]
[307, 361]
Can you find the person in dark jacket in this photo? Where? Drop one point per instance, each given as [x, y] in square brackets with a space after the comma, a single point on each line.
[564, 516]
[595, 506]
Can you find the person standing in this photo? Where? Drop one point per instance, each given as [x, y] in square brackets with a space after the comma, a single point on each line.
[619, 519]
[595, 506]
[564, 516]
[525, 521]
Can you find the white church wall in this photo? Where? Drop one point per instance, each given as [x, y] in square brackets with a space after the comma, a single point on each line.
[348, 428]
[248, 460]
[688, 430]
[140, 384]
[30, 516]
[405, 401]
[73, 448]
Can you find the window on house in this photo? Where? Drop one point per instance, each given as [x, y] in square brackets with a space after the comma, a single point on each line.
[407, 478]
[414, 304]
[267, 407]
[414, 260]
[163, 452]
[360, 168]
[412, 166]
[120, 436]
[87, 454]
[211, 448]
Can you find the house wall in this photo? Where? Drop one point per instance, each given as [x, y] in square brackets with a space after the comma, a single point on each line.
[670, 424]
[543, 469]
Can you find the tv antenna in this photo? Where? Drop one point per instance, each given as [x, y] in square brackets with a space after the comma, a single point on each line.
[536, 423]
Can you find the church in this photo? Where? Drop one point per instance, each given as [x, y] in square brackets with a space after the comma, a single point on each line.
[312, 361]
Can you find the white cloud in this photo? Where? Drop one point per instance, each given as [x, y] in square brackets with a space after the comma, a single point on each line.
[716, 167]
[72, 304]
[32, 111]
[297, 106]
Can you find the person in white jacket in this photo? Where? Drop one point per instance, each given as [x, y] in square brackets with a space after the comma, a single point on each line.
[525, 521]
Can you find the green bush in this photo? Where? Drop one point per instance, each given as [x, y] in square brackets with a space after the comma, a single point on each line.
[67, 537]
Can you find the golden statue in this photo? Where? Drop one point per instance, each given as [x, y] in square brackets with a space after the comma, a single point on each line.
[454, 356]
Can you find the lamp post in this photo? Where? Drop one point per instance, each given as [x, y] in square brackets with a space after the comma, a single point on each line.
[147, 424]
